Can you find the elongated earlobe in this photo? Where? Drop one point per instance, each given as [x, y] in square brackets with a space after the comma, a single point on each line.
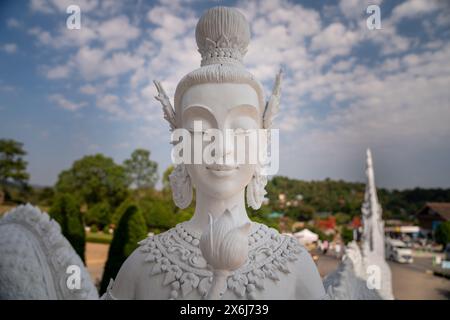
[181, 185]
[256, 189]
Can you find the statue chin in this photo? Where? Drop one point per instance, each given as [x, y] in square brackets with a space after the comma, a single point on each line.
[220, 184]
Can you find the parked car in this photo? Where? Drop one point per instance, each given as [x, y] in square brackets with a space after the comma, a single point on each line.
[397, 250]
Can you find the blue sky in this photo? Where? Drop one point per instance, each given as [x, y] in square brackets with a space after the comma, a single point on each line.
[68, 93]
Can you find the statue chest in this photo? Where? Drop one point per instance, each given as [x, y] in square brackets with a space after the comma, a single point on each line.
[177, 269]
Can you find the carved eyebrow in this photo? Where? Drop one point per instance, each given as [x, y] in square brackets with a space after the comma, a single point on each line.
[199, 107]
[253, 109]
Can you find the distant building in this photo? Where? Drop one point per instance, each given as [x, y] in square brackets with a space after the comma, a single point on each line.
[328, 225]
[275, 215]
[431, 215]
[355, 223]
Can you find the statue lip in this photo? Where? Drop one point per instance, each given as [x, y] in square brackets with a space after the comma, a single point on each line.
[221, 170]
[221, 167]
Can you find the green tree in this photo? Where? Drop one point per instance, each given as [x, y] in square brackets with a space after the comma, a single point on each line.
[120, 210]
[158, 213]
[46, 195]
[12, 166]
[342, 218]
[165, 178]
[66, 211]
[442, 233]
[99, 214]
[94, 179]
[346, 234]
[140, 170]
[131, 229]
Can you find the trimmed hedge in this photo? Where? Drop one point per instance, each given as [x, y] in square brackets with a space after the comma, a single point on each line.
[66, 211]
[130, 231]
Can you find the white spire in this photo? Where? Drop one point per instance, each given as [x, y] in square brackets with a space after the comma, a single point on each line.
[373, 234]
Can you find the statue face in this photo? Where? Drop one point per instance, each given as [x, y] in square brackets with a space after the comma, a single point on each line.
[220, 106]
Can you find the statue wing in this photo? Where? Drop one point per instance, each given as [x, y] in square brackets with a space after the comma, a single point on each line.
[37, 261]
[273, 105]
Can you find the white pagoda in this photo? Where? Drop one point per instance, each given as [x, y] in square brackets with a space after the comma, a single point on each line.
[373, 235]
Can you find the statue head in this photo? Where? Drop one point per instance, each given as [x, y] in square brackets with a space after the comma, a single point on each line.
[222, 95]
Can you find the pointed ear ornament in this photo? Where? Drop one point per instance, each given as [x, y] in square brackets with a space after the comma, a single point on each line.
[256, 188]
[273, 105]
[180, 181]
[169, 113]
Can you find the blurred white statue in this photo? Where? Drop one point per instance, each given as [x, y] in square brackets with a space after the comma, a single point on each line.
[364, 275]
[37, 261]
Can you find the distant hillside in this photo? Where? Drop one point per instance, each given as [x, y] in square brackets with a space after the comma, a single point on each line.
[346, 197]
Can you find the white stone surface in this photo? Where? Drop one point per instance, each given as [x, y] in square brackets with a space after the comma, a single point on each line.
[35, 257]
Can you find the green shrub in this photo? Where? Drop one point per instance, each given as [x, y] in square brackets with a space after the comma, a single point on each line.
[130, 230]
[442, 233]
[94, 228]
[66, 211]
[120, 210]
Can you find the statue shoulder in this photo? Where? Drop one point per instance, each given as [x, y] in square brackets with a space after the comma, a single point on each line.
[309, 284]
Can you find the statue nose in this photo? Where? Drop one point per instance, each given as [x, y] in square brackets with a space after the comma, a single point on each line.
[225, 150]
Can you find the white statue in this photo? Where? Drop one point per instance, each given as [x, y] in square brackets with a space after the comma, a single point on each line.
[364, 274]
[373, 233]
[219, 253]
[37, 261]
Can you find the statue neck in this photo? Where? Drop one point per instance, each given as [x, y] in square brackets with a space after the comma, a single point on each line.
[215, 207]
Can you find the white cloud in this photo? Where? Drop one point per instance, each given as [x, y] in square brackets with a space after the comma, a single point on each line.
[63, 103]
[111, 104]
[58, 6]
[113, 33]
[9, 48]
[356, 9]
[85, 5]
[41, 6]
[13, 23]
[335, 40]
[414, 9]
[117, 32]
[58, 72]
[92, 63]
[88, 89]
[44, 37]
[7, 88]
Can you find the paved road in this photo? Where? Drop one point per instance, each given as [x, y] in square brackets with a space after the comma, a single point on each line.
[96, 255]
[410, 281]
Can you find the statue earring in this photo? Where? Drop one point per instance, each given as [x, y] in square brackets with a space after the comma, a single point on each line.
[181, 185]
[256, 189]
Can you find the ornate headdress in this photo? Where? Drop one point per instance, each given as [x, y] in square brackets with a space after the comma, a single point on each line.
[222, 36]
